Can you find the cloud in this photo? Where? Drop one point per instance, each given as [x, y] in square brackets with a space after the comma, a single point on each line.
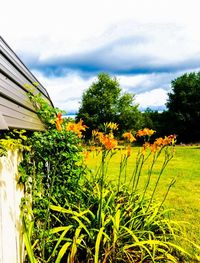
[150, 89]
[141, 83]
[65, 91]
[141, 49]
[156, 98]
[145, 44]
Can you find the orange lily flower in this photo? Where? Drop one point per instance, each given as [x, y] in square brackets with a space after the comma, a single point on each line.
[107, 141]
[76, 127]
[145, 132]
[129, 136]
[59, 121]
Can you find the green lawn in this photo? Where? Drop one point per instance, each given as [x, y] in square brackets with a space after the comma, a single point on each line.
[184, 196]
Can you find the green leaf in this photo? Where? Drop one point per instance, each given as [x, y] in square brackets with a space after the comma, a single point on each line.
[61, 238]
[60, 228]
[26, 234]
[62, 252]
[76, 241]
[97, 245]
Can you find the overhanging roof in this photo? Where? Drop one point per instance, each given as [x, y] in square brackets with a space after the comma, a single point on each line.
[16, 109]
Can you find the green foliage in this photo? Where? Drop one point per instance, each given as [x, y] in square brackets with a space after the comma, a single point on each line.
[128, 232]
[104, 102]
[27, 240]
[54, 165]
[158, 121]
[184, 107]
[79, 217]
[46, 113]
[128, 116]
[51, 172]
[132, 228]
[13, 140]
[183, 110]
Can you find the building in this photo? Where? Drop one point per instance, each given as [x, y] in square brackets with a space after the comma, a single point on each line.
[16, 109]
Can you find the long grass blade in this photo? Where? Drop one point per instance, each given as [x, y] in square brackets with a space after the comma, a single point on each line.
[60, 228]
[76, 241]
[81, 224]
[97, 245]
[62, 251]
[27, 234]
[56, 230]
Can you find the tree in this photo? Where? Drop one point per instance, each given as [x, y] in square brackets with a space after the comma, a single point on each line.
[128, 116]
[157, 121]
[184, 107]
[104, 102]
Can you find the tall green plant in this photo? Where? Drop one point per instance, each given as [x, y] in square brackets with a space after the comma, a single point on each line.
[51, 171]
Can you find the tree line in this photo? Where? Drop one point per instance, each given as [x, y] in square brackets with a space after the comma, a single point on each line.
[104, 102]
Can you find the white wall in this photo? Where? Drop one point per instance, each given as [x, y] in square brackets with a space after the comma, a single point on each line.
[11, 247]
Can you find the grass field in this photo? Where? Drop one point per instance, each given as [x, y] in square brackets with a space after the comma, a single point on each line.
[184, 196]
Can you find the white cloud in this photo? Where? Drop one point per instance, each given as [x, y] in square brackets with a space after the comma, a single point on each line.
[156, 98]
[65, 91]
[70, 26]
[162, 33]
[150, 89]
[141, 83]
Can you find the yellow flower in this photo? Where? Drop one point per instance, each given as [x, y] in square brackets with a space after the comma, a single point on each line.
[129, 136]
[145, 132]
[95, 133]
[111, 125]
[52, 122]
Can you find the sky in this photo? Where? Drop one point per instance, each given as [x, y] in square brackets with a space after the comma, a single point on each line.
[145, 44]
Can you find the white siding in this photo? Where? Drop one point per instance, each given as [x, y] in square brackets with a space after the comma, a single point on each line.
[11, 245]
[14, 78]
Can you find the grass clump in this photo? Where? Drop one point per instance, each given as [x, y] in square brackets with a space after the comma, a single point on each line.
[129, 230]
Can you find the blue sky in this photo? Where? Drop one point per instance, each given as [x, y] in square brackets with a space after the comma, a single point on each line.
[144, 43]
